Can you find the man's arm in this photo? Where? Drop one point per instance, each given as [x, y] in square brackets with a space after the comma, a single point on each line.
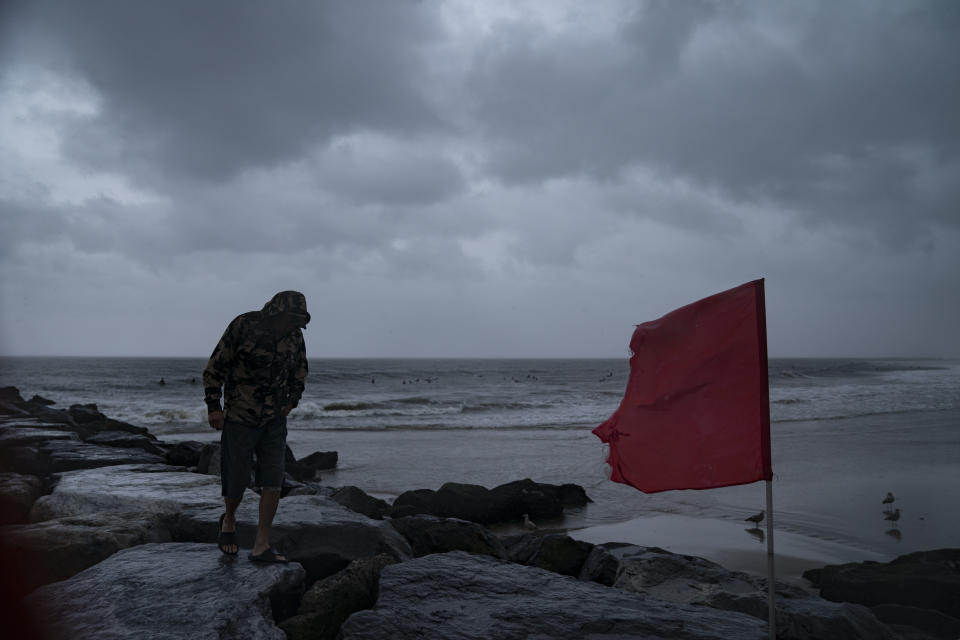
[298, 375]
[215, 374]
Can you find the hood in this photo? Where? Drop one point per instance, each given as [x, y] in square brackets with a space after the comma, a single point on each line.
[287, 302]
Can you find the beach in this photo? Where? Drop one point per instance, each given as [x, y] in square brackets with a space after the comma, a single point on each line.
[844, 434]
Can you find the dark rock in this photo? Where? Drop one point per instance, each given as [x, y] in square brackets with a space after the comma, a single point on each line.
[166, 591]
[84, 413]
[18, 492]
[526, 496]
[358, 500]
[520, 548]
[209, 460]
[55, 416]
[458, 595]
[68, 456]
[925, 579]
[160, 489]
[601, 565]
[418, 501]
[672, 577]
[126, 440]
[24, 459]
[10, 410]
[11, 395]
[501, 504]
[330, 601]
[58, 549]
[185, 453]
[18, 435]
[320, 460]
[430, 534]
[913, 622]
[40, 401]
[313, 530]
[557, 552]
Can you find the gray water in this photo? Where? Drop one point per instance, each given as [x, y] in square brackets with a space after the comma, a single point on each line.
[844, 432]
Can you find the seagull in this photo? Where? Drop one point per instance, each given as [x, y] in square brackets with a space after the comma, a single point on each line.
[755, 519]
[528, 523]
[889, 499]
[893, 516]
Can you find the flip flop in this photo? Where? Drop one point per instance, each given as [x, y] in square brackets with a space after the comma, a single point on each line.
[226, 538]
[269, 556]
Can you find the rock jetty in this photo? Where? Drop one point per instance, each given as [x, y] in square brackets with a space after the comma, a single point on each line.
[108, 532]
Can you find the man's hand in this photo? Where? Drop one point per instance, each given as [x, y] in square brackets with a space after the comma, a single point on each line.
[285, 410]
[215, 418]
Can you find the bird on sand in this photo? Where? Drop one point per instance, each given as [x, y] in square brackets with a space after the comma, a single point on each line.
[757, 518]
[528, 523]
[892, 516]
[889, 499]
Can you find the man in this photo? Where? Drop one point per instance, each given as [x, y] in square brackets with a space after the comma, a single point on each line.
[261, 365]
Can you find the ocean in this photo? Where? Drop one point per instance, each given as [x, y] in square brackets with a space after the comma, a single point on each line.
[844, 432]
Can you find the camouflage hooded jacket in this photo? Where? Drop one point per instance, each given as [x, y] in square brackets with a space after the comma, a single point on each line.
[259, 371]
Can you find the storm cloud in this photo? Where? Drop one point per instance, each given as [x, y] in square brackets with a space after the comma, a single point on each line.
[459, 178]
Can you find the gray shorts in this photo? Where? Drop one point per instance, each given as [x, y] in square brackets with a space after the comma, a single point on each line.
[240, 443]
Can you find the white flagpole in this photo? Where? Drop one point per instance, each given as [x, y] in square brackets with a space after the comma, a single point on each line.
[771, 583]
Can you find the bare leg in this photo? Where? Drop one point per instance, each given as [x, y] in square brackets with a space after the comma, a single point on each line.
[269, 499]
[230, 521]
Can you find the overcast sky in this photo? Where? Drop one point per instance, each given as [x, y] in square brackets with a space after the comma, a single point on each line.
[477, 178]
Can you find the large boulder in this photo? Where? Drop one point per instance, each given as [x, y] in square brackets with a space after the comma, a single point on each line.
[555, 552]
[458, 595]
[185, 453]
[18, 493]
[125, 439]
[311, 529]
[503, 503]
[159, 489]
[430, 534]
[31, 434]
[65, 455]
[167, 591]
[330, 601]
[358, 500]
[55, 550]
[925, 579]
[672, 577]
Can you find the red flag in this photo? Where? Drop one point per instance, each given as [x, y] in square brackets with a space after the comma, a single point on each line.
[696, 411]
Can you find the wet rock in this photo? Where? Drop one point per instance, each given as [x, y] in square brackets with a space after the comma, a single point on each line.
[29, 460]
[358, 500]
[329, 602]
[602, 563]
[18, 492]
[313, 530]
[320, 460]
[40, 401]
[124, 439]
[209, 460]
[504, 503]
[458, 595]
[185, 453]
[160, 489]
[672, 577]
[64, 455]
[916, 623]
[165, 591]
[430, 534]
[11, 395]
[85, 413]
[925, 579]
[557, 552]
[309, 467]
[55, 550]
[18, 435]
